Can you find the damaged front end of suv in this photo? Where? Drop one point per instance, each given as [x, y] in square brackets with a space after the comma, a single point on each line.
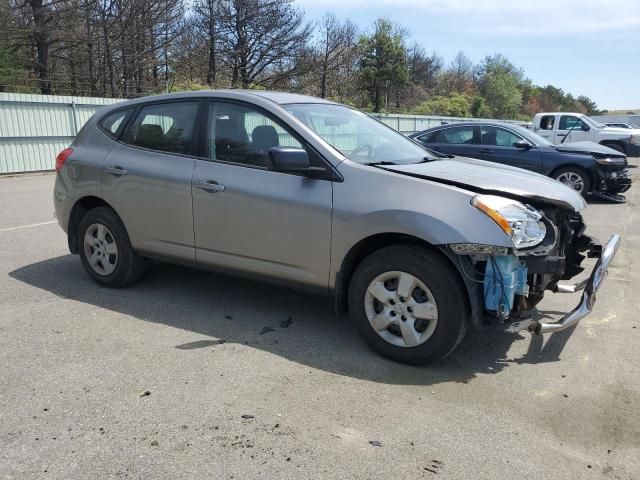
[550, 245]
[548, 242]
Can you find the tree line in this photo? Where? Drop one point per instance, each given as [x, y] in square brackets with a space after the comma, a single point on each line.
[129, 48]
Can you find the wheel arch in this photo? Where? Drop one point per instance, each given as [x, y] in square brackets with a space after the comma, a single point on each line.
[368, 245]
[79, 209]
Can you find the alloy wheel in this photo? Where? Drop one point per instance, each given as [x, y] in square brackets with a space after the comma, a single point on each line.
[572, 180]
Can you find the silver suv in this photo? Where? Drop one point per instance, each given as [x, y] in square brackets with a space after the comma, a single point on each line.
[320, 196]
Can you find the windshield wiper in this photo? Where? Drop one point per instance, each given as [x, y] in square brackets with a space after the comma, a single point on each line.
[386, 162]
[381, 162]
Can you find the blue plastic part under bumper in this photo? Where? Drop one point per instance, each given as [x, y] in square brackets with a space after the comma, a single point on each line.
[505, 276]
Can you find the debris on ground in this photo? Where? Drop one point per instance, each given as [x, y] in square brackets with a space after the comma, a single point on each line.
[434, 466]
[266, 330]
[146, 393]
[287, 322]
[200, 344]
[247, 417]
[154, 443]
[375, 443]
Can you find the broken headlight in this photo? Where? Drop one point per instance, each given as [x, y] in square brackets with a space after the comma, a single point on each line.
[615, 161]
[522, 223]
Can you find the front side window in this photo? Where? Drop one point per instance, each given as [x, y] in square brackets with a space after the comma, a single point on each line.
[568, 122]
[112, 122]
[244, 135]
[455, 135]
[167, 127]
[356, 135]
[498, 137]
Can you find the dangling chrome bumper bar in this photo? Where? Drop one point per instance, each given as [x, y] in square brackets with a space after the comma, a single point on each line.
[590, 287]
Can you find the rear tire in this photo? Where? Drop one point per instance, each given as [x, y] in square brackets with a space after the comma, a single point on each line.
[418, 327]
[105, 249]
[574, 178]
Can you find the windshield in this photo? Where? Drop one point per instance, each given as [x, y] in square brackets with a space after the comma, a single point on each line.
[357, 136]
[530, 135]
[592, 122]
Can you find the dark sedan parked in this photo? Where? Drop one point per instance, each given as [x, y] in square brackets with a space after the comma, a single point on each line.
[584, 166]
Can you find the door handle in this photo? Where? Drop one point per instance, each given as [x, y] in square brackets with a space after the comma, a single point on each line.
[116, 171]
[485, 150]
[210, 186]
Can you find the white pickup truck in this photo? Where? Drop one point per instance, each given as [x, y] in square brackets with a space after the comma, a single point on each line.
[563, 127]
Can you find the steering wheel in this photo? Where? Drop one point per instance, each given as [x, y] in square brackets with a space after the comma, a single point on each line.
[361, 148]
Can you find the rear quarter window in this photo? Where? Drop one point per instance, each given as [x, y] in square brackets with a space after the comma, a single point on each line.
[113, 123]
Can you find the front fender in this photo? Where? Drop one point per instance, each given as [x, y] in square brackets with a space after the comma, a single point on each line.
[373, 201]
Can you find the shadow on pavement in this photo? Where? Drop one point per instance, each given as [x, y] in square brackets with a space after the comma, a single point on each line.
[234, 310]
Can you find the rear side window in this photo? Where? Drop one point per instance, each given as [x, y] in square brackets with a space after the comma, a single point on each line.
[547, 122]
[455, 135]
[114, 122]
[167, 127]
[427, 138]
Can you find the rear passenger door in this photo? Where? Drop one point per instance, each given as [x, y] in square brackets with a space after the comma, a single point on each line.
[146, 177]
[498, 146]
[253, 220]
[452, 140]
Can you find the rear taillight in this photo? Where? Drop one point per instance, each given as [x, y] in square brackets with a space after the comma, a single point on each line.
[62, 157]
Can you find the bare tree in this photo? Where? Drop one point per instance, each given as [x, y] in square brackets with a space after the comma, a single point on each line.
[261, 39]
[206, 20]
[335, 48]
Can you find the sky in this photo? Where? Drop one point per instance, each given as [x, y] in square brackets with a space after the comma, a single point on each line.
[585, 47]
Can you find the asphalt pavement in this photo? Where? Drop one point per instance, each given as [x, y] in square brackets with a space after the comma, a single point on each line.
[191, 374]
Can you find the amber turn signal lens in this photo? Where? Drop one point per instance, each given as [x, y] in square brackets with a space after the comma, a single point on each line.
[495, 215]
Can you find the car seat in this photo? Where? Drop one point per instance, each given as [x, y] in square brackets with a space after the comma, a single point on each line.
[264, 137]
[149, 136]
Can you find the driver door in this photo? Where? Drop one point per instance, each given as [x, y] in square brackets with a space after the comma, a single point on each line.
[253, 220]
[571, 129]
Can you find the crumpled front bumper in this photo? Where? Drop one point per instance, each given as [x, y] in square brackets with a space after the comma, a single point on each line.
[611, 183]
[590, 287]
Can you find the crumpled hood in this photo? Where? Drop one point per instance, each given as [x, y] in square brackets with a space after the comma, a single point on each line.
[487, 177]
[588, 147]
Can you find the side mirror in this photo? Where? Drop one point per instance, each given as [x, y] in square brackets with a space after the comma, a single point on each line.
[522, 144]
[289, 160]
[585, 127]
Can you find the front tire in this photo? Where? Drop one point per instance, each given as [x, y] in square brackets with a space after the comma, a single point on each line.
[574, 178]
[409, 304]
[105, 249]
